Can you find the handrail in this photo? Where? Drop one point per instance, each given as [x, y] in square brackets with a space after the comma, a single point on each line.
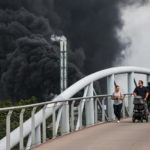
[56, 116]
[53, 102]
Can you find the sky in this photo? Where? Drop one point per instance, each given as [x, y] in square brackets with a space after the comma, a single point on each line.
[136, 32]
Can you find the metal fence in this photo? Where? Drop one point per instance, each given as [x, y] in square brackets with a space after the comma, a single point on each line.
[82, 112]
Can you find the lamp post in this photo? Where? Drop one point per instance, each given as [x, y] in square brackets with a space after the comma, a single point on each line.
[63, 60]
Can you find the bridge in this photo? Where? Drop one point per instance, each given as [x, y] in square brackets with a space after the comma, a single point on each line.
[85, 122]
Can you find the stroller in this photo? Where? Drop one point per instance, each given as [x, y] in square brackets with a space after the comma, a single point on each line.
[140, 112]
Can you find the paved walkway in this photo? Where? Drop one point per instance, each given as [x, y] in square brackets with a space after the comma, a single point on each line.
[110, 136]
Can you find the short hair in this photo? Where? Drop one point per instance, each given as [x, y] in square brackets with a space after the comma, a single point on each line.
[117, 86]
[141, 81]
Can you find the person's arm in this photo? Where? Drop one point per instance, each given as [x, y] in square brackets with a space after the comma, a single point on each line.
[146, 95]
[135, 92]
[121, 96]
[113, 97]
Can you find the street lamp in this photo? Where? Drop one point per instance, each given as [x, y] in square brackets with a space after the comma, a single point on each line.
[63, 60]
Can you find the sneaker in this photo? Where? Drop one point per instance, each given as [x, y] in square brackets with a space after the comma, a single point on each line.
[118, 121]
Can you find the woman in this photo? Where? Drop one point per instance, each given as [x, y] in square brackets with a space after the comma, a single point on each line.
[118, 97]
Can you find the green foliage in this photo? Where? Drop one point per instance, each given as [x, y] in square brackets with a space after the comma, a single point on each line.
[15, 117]
[15, 114]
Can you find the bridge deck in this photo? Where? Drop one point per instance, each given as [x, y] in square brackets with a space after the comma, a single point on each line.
[110, 136]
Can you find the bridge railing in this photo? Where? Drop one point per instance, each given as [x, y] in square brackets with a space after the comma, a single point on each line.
[81, 115]
[70, 114]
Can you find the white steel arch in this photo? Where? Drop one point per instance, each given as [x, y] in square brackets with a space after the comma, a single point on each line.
[72, 90]
[68, 93]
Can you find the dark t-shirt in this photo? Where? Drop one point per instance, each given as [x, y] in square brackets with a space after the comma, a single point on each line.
[141, 91]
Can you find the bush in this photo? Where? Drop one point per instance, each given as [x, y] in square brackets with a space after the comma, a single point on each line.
[15, 114]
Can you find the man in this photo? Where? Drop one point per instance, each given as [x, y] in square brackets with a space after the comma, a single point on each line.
[141, 91]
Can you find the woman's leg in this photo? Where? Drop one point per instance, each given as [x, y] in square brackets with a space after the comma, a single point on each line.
[119, 111]
[116, 110]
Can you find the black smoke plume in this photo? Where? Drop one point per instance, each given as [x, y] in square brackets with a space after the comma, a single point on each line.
[29, 61]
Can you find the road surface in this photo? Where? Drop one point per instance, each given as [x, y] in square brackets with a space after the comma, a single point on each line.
[109, 136]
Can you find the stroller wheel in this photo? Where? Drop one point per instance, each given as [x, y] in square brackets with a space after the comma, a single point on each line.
[133, 120]
[147, 119]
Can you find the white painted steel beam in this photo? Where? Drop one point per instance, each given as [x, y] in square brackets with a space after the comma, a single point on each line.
[65, 129]
[130, 90]
[82, 107]
[89, 107]
[38, 135]
[110, 90]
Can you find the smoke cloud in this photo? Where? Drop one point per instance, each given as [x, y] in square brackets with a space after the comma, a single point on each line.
[29, 61]
[139, 40]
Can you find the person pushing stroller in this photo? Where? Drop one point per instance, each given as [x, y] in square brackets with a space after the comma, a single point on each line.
[141, 91]
[140, 98]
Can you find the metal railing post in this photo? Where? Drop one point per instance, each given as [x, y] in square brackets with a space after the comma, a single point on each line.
[80, 114]
[58, 119]
[72, 116]
[28, 145]
[95, 111]
[89, 107]
[33, 127]
[130, 90]
[21, 145]
[8, 129]
[123, 109]
[65, 119]
[82, 107]
[54, 121]
[110, 90]
[103, 111]
[44, 125]
[38, 135]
